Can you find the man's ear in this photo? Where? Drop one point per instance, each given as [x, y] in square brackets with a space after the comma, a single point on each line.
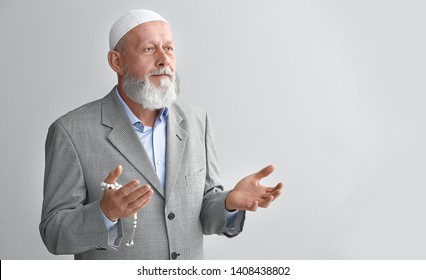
[115, 60]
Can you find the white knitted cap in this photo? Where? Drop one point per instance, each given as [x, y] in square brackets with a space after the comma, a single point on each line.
[130, 20]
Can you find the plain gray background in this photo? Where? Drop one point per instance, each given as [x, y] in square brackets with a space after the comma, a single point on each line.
[331, 92]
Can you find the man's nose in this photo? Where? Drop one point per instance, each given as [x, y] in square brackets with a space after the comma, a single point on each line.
[163, 59]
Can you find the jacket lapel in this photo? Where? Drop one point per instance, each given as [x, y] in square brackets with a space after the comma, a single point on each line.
[175, 147]
[125, 139]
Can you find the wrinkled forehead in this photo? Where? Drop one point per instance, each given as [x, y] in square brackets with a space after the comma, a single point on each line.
[129, 21]
[155, 32]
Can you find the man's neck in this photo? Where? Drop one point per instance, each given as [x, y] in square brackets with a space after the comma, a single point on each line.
[147, 117]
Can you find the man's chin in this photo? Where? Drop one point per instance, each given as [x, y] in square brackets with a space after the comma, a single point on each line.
[161, 82]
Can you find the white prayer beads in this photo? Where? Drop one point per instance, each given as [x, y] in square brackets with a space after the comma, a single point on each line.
[116, 186]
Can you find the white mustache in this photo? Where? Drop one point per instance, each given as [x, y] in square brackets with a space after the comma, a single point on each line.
[161, 71]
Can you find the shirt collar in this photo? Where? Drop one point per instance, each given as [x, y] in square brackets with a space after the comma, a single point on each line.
[133, 119]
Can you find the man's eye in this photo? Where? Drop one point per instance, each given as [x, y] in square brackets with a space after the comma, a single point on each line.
[168, 49]
[147, 50]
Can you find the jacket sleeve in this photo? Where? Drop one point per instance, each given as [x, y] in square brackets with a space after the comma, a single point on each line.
[68, 224]
[212, 214]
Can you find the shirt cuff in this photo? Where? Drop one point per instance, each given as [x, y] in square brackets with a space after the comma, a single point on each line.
[233, 228]
[230, 216]
[108, 223]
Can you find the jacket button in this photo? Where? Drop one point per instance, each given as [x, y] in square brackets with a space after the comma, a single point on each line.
[175, 255]
[171, 216]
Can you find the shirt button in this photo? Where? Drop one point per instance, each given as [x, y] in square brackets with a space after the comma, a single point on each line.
[158, 162]
[175, 255]
[171, 216]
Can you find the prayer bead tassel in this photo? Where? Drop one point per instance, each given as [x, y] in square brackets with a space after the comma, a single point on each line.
[135, 225]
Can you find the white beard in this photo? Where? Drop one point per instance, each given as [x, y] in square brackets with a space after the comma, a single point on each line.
[147, 94]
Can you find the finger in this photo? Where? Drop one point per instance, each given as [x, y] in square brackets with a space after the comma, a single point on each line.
[142, 206]
[278, 190]
[113, 175]
[278, 187]
[265, 172]
[265, 202]
[276, 194]
[135, 195]
[127, 188]
[141, 202]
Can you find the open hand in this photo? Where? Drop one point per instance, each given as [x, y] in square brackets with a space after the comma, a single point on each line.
[249, 194]
[124, 202]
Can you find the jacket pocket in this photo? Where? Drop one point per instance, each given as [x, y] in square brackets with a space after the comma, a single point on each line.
[197, 178]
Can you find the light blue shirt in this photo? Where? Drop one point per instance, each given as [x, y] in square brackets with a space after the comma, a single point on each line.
[152, 138]
[154, 141]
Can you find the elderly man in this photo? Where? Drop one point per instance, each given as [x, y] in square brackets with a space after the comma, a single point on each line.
[162, 151]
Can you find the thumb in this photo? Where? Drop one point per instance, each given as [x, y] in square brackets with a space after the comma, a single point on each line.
[264, 172]
[114, 175]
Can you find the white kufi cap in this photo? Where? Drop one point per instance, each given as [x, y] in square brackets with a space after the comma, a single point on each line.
[130, 20]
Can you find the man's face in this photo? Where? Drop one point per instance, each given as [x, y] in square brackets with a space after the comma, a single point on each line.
[149, 47]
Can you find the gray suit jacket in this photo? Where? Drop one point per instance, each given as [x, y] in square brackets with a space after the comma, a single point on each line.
[86, 143]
